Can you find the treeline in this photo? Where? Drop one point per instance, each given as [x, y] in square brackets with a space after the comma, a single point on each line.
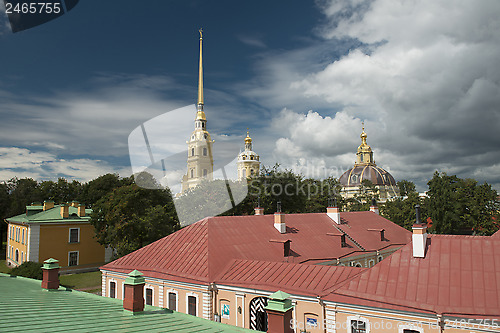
[127, 217]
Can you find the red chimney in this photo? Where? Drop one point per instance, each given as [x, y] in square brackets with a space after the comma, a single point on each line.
[50, 270]
[133, 299]
[279, 313]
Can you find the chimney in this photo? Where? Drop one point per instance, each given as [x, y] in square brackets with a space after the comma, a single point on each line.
[50, 270]
[74, 203]
[333, 211]
[81, 210]
[279, 313]
[259, 211]
[48, 204]
[374, 207]
[419, 237]
[279, 219]
[64, 211]
[133, 299]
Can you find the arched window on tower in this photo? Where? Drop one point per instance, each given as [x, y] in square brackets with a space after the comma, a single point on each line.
[192, 151]
[204, 151]
[205, 172]
[192, 173]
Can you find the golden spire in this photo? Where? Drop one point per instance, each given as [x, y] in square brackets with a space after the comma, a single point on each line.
[200, 74]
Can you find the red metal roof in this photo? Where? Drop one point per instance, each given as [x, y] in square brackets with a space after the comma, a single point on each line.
[309, 280]
[460, 275]
[200, 252]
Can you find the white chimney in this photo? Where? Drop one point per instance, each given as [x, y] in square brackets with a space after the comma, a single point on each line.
[419, 237]
[334, 214]
[374, 207]
[279, 222]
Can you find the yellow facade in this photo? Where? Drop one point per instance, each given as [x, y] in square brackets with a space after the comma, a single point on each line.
[17, 240]
[55, 243]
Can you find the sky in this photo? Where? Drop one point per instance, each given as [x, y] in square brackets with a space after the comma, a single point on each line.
[423, 76]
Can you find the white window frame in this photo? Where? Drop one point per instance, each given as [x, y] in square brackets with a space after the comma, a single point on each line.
[148, 286]
[176, 299]
[77, 258]
[187, 303]
[69, 236]
[358, 318]
[109, 288]
[401, 328]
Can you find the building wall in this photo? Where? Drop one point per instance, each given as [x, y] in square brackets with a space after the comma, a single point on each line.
[54, 243]
[17, 239]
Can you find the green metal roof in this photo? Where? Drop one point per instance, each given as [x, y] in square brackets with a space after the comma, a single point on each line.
[26, 307]
[37, 215]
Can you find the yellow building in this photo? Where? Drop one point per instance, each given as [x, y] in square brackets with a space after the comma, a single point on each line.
[248, 161]
[55, 231]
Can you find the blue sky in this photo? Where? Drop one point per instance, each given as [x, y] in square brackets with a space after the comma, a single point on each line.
[301, 75]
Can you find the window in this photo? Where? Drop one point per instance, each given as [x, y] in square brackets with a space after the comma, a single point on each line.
[17, 255]
[172, 301]
[358, 326]
[204, 172]
[204, 151]
[192, 151]
[192, 173]
[22, 257]
[149, 296]
[406, 330]
[73, 258]
[74, 235]
[22, 240]
[112, 289]
[192, 305]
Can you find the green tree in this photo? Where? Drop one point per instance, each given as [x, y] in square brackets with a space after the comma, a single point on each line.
[28, 269]
[96, 189]
[461, 206]
[363, 199]
[402, 211]
[130, 217]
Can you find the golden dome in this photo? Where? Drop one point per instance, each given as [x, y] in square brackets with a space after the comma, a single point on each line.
[248, 139]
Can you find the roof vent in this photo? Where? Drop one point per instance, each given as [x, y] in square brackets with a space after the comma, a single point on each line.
[65, 211]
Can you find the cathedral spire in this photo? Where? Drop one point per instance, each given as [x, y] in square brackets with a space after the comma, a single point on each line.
[200, 74]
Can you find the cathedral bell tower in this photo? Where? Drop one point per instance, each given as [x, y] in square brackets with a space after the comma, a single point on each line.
[364, 156]
[200, 163]
[248, 161]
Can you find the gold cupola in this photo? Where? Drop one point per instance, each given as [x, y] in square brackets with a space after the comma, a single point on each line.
[364, 156]
[248, 141]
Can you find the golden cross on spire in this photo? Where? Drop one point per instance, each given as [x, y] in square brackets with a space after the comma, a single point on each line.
[201, 32]
[363, 125]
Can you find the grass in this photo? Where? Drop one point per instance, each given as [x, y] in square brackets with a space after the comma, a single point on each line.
[90, 281]
[3, 267]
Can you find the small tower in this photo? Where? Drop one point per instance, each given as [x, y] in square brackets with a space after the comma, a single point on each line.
[364, 156]
[248, 160]
[200, 163]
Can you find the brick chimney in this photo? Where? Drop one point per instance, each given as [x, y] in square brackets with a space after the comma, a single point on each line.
[50, 270]
[74, 203]
[419, 237]
[48, 204]
[81, 210]
[279, 313]
[333, 211]
[279, 219]
[259, 211]
[65, 211]
[133, 299]
[374, 207]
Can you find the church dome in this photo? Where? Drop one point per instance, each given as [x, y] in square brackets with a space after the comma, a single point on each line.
[378, 176]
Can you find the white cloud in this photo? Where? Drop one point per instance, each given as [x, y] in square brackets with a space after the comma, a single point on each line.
[424, 78]
[21, 162]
